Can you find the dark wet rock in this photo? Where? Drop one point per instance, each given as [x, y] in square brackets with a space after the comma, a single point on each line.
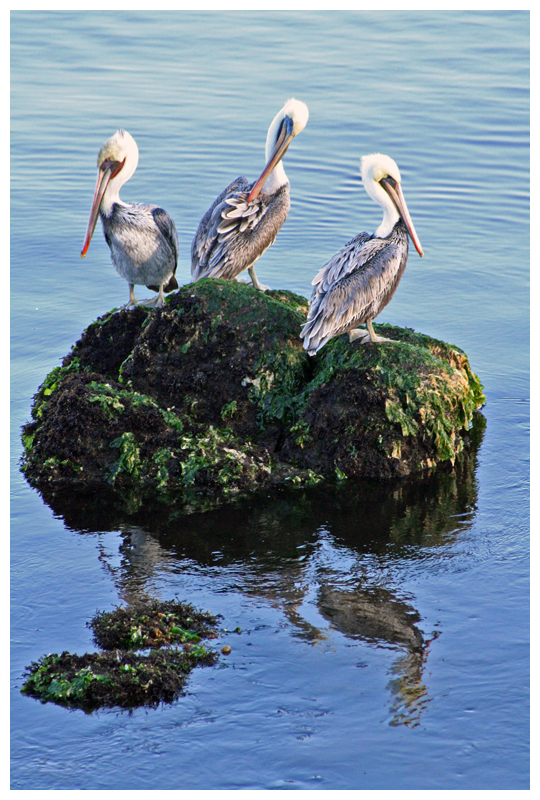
[106, 343]
[384, 411]
[213, 396]
[151, 623]
[121, 677]
[113, 679]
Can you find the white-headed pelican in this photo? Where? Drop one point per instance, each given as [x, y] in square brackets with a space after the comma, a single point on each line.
[246, 217]
[361, 278]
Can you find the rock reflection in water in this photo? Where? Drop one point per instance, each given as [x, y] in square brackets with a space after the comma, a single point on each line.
[141, 556]
[328, 548]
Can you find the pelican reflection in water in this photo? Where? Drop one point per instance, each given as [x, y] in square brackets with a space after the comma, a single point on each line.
[360, 279]
[142, 237]
[246, 217]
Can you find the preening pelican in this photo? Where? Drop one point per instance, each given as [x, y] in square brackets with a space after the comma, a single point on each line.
[361, 278]
[142, 237]
[246, 217]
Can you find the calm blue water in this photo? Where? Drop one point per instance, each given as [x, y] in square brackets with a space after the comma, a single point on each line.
[309, 698]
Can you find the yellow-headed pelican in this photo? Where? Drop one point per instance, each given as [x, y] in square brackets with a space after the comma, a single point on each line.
[142, 237]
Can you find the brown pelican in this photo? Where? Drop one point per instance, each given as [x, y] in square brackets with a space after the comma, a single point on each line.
[246, 217]
[142, 237]
[361, 278]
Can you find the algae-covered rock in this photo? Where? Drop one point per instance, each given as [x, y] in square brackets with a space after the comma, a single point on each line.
[384, 410]
[113, 679]
[120, 677]
[213, 396]
[151, 623]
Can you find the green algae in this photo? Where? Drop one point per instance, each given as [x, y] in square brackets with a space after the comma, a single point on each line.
[428, 386]
[48, 681]
[152, 623]
[229, 410]
[162, 458]
[50, 385]
[115, 400]
[117, 679]
[280, 376]
[239, 305]
[129, 461]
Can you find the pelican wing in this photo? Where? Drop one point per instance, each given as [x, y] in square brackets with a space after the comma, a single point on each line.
[351, 257]
[230, 215]
[165, 224]
[167, 227]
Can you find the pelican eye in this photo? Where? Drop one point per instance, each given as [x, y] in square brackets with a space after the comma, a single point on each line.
[388, 179]
[114, 166]
[288, 124]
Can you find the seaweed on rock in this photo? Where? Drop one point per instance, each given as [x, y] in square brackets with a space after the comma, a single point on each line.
[120, 677]
[213, 396]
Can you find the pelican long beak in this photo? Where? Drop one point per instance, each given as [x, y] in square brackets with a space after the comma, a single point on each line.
[284, 139]
[106, 171]
[393, 188]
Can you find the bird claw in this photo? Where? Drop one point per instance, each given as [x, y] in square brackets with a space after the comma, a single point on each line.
[365, 336]
[152, 302]
[256, 285]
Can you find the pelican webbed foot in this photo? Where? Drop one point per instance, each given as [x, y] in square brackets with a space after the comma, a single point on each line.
[359, 335]
[248, 282]
[369, 335]
[154, 302]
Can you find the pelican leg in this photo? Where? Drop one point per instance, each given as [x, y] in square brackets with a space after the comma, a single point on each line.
[132, 302]
[373, 336]
[359, 334]
[255, 280]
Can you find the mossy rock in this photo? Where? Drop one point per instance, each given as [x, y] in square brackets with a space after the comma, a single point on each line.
[121, 677]
[213, 396]
[152, 624]
[386, 410]
[113, 679]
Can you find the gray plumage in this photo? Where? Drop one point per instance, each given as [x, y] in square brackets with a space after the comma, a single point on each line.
[142, 237]
[246, 217]
[355, 285]
[143, 243]
[360, 279]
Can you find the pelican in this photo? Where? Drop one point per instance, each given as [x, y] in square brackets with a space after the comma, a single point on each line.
[360, 279]
[142, 237]
[246, 217]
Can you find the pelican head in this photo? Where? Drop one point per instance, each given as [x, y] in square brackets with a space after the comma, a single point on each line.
[382, 181]
[285, 126]
[116, 162]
